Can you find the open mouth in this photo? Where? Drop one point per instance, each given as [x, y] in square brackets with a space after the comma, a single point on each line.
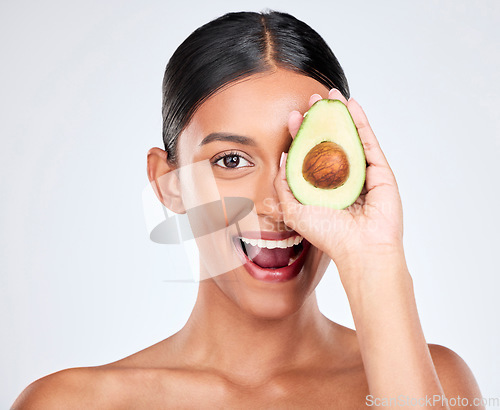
[272, 254]
[272, 260]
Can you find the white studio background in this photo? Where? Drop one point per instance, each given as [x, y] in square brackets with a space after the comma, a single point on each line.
[81, 284]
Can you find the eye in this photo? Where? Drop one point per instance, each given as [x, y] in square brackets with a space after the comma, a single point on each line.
[231, 160]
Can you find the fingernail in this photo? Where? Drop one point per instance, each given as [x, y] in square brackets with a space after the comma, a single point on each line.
[282, 158]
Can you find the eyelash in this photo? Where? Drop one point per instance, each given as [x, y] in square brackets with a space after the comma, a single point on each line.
[229, 154]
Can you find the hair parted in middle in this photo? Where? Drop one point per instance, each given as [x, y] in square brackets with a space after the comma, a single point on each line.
[235, 46]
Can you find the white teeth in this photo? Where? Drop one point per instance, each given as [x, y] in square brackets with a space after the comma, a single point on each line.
[270, 244]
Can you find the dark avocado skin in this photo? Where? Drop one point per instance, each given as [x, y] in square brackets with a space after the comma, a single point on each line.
[307, 128]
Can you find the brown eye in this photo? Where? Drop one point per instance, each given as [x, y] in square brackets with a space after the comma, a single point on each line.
[232, 161]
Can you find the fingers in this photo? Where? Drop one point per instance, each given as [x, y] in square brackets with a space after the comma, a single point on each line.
[335, 94]
[288, 202]
[294, 120]
[373, 152]
[378, 173]
[281, 184]
[314, 98]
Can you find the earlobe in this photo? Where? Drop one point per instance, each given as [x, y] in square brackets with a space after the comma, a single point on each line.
[164, 179]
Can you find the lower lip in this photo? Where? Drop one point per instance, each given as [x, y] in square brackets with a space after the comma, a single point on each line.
[274, 275]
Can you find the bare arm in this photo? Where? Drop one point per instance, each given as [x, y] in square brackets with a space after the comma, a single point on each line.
[365, 241]
[394, 351]
[396, 357]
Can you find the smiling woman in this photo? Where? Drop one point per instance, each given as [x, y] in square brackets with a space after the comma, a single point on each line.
[235, 92]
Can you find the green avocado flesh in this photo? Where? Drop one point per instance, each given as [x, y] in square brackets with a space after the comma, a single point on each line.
[333, 174]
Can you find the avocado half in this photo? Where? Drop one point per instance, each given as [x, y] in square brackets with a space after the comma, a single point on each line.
[326, 163]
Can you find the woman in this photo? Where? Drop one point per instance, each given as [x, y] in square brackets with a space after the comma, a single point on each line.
[235, 93]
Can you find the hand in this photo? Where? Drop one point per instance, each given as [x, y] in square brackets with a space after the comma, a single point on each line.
[373, 225]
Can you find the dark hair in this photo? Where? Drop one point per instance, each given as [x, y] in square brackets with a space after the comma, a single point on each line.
[235, 46]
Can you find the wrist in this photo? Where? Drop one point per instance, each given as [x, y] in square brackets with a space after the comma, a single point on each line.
[380, 290]
[377, 265]
[369, 257]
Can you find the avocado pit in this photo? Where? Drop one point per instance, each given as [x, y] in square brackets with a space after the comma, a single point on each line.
[326, 166]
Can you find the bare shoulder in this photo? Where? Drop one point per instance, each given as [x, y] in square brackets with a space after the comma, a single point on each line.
[132, 382]
[76, 387]
[110, 385]
[107, 386]
[455, 376]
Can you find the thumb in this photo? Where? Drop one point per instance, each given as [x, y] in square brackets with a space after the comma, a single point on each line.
[291, 208]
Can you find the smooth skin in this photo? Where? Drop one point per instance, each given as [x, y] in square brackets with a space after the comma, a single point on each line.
[252, 344]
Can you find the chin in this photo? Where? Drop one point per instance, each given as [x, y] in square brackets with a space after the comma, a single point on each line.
[268, 284]
[274, 300]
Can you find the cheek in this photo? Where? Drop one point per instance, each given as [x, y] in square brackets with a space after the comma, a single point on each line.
[241, 187]
[213, 220]
[198, 185]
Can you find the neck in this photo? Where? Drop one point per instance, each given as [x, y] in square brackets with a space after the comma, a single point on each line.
[220, 336]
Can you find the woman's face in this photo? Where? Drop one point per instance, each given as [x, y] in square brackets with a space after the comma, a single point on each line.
[265, 282]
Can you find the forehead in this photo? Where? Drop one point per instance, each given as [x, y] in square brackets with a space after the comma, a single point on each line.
[257, 104]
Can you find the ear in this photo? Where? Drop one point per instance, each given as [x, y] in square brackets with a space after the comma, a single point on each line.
[164, 179]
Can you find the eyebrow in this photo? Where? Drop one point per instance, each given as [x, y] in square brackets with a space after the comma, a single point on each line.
[225, 136]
